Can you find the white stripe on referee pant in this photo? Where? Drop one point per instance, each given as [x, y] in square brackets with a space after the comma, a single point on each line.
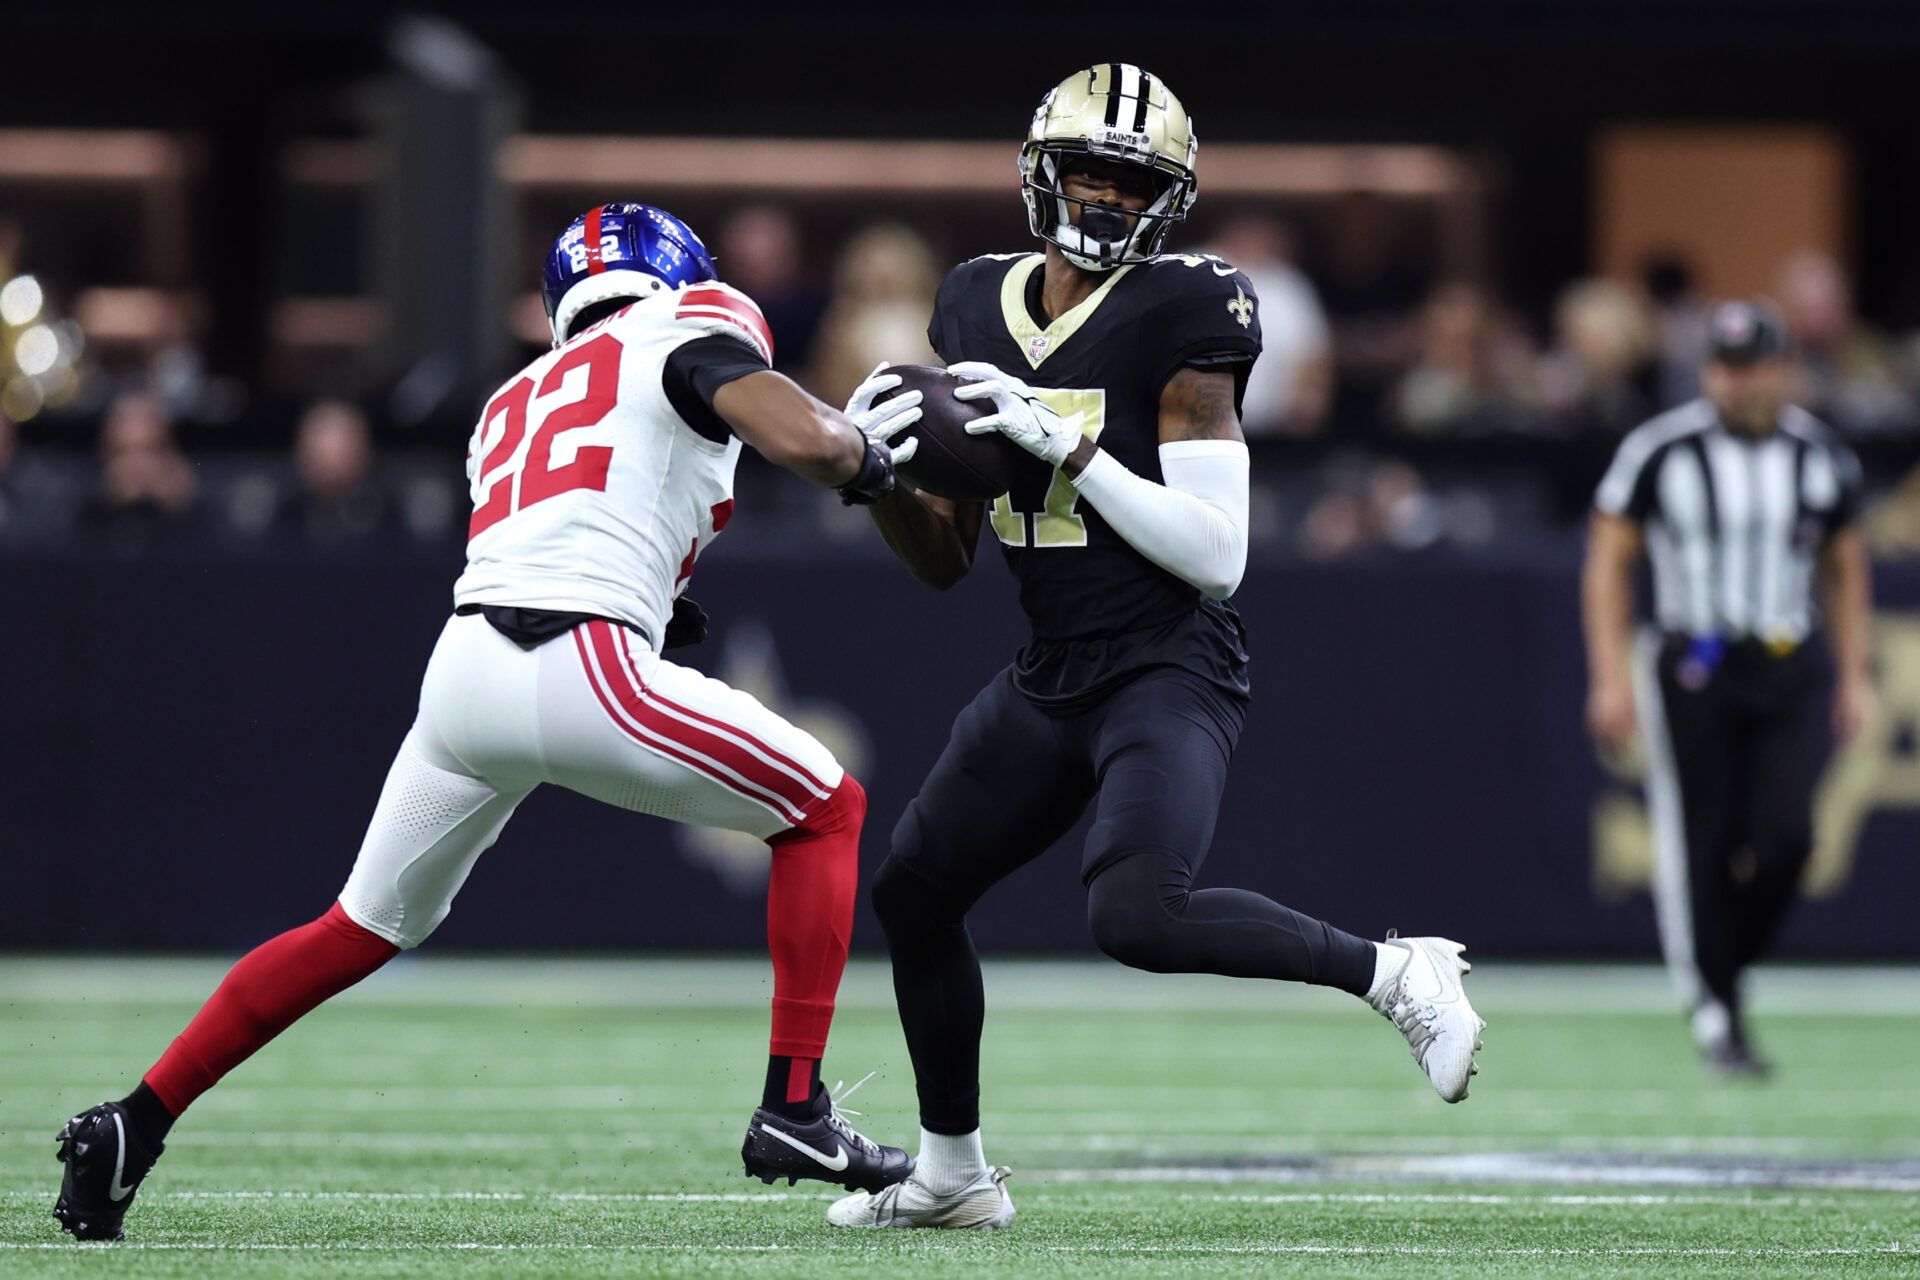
[1672, 894]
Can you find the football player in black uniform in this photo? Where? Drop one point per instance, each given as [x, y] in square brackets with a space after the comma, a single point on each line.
[1120, 369]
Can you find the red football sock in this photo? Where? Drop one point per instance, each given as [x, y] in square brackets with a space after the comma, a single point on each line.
[272, 987]
[816, 872]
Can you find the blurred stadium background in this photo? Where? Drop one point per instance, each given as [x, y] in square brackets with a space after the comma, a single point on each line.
[253, 288]
[259, 268]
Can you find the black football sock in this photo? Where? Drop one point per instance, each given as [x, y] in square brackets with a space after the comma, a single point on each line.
[149, 1115]
[793, 1087]
[1143, 914]
[936, 981]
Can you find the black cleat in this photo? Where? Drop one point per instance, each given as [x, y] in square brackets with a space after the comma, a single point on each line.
[106, 1161]
[825, 1147]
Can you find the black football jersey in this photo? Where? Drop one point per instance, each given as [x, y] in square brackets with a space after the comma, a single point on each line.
[1101, 611]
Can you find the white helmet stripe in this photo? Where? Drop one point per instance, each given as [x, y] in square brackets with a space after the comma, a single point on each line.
[1130, 105]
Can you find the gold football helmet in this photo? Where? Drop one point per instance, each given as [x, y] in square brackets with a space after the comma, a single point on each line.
[1117, 112]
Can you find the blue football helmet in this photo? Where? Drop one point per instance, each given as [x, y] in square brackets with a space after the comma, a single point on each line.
[619, 251]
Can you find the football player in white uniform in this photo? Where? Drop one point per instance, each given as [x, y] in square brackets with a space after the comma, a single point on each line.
[598, 475]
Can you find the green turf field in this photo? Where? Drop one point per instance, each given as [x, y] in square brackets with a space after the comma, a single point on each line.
[547, 1117]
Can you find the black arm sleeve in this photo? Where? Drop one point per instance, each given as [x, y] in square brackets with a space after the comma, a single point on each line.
[696, 370]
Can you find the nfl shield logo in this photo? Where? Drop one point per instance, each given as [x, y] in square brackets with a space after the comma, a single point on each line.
[1037, 348]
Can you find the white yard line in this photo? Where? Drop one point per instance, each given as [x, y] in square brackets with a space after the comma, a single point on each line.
[1116, 1250]
[1734, 1199]
[541, 1197]
[1441, 1251]
[1185, 1107]
[1277, 1146]
[1268, 1157]
[1511, 1167]
[450, 1246]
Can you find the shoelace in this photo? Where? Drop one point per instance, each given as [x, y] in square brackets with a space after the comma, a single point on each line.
[837, 1115]
[1414, 1019]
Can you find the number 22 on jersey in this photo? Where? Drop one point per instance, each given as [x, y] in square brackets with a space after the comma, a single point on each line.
[1055, 524]
[517, 432]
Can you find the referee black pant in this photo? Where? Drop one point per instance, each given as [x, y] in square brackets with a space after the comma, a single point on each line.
[1736, 742]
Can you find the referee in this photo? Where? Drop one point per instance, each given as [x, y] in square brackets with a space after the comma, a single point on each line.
[1737, 498]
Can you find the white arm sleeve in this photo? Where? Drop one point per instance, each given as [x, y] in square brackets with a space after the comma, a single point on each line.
[1195, 525]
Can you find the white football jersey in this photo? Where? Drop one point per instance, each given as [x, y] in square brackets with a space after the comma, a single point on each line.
[590, 493]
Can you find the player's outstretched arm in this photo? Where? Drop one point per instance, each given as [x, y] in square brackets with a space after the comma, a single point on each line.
[934, 537]
[815, 441]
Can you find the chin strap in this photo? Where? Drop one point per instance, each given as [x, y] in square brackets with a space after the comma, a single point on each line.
[1106, 227]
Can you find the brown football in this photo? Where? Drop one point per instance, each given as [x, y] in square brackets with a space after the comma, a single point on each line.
[950, 463]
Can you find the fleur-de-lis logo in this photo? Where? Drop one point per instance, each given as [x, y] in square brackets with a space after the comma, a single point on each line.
[1241, 306]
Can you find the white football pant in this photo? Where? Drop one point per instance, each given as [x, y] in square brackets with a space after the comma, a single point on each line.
[595, 711]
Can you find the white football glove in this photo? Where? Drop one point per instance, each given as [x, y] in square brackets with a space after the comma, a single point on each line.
[890, 417]
[1019, 414]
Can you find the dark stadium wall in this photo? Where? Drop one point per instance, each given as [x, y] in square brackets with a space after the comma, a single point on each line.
[191, 752]
[1525, 81]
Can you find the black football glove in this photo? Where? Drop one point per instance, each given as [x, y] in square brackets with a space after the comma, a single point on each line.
[875, 478]
[688, 625]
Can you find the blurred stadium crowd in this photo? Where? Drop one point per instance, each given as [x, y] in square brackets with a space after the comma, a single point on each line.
[1396, 409]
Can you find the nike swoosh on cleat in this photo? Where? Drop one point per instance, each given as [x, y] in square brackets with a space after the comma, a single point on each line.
[114, 1190]
[837, 1162]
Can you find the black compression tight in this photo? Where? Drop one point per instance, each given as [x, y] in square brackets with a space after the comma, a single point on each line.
[1142, 912]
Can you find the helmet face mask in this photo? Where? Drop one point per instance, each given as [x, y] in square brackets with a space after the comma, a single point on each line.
[1121, 115]
[1097, 236]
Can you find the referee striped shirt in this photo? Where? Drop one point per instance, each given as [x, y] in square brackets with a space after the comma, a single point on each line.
[1733, 524]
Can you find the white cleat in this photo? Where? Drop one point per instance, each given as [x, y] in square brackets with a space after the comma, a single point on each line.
[981, 1204]
[1428, 1002]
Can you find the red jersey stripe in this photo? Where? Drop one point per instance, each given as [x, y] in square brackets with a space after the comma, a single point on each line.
[709, 299]
[753, 336]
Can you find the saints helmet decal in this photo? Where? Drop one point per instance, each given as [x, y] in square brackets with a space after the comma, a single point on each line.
[1117, 112]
